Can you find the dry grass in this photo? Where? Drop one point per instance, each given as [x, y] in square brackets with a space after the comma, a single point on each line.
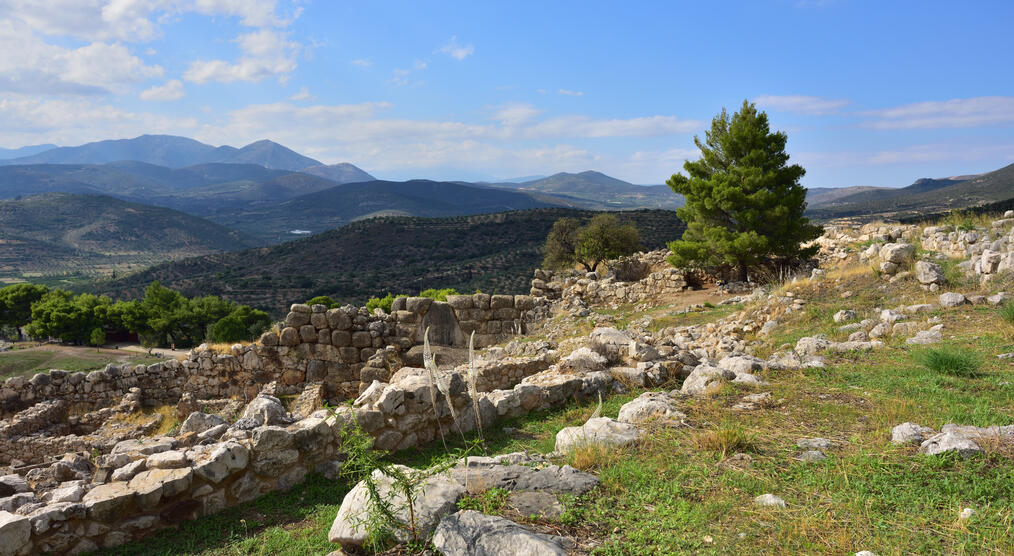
[593, 456]
[225, 348]
[726, 440]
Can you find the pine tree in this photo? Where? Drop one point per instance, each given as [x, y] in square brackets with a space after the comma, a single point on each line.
[744, 204]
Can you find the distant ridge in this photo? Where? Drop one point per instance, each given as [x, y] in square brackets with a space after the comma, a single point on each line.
[342, 172]
[24, 151]
[170, 151]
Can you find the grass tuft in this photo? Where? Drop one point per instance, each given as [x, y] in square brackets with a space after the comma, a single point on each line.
[1006, 312]
[727, 439]
[949, 360]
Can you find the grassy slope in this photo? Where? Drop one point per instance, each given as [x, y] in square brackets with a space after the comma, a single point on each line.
[681, 492]
[25, 362]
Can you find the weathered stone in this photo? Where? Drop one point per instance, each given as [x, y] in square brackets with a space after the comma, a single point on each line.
[214, 463]
[15, 533]
[929, 273]
[600, 431]
[265, 410]
[297, 319]
[199, 422]
[157, 484]
[910, 433]
[705, 377]
[948, 442]
[128, 471]
[170, 459]
[107, 501]
[470, 533]
[272, 451]
[289, 336]
[338, 320]
[436, 497]
[657, 407]
[898, 253]
[951, 299]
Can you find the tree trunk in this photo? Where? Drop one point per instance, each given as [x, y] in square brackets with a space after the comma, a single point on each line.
[742, 272]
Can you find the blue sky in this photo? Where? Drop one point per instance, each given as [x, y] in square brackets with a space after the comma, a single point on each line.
[870, 93]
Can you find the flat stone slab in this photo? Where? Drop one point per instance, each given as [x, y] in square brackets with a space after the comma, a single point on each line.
[470, 533]
[601, 431]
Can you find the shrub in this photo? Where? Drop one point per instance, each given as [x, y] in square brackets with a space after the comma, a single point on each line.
[949, 360]
[438, 295]
[322, 300]
[97, 337]
[381, 302]
[229, 330]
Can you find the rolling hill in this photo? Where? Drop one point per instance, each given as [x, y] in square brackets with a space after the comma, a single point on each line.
[492, 252]
[342, 173]
[24, 151]
[92, 234]
[922, 197]
[339, 205]
[595, 190]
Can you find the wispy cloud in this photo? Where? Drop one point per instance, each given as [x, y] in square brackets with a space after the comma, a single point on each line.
[265, 53]
[925, 153]
[801, 104]
[172, 90]
[457, 51]
[954, 113]
[362, 62]
[302, 94]
[570, 93]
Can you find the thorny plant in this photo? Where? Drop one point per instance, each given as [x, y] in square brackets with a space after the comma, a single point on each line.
[380, 519]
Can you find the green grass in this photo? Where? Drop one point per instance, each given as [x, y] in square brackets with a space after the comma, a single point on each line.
[29, 362]
[1006, 312]
[948, 360]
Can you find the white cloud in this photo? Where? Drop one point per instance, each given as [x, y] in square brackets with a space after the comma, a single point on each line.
[813, 106]
[955, 113]
[926, 153]
[27, 120]
[265, 53]
[419, 65]
[302, 94]
[42, 68]
[132, 20]
[456, 51]
[362, 62]
[172, 90]
[515, 114]
[570, 93]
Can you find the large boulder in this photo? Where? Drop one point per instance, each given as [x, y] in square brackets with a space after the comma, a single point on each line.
[897, 253]
[471, 533]
[199, 422]
[15, 532]
[600, 431]
[435, 497]
[703, 377]
[952, 299]
[265, 410]
[584, 360]
[658, 407]
[929, 273]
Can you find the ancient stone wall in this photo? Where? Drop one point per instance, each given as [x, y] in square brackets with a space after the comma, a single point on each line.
[630, 280]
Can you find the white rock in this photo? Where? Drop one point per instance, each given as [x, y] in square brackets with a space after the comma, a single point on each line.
[769, 500]
[910, 433]
[948, 442]
[967, 513]
[15, 532]
[703, 377]
[845, 315]
[471, 533]
[951, 299]
[600, 431]
[656, 407]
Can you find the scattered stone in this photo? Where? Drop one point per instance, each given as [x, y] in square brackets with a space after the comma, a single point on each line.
[600, 431]
[814, 443]
[929, 273]
[845, 315]
[199, 422]
[931, 336]
[658, 407]
[769, 500]
[910, 433]
[812, 455]
[949, 442]
[951, 299]
[265, 410]
[470, 533]
[967, 513]
[704, 377]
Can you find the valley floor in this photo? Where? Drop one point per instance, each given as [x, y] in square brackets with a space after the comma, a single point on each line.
[691, 489]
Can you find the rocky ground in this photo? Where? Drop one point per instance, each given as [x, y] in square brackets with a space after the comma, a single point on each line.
[867, 407]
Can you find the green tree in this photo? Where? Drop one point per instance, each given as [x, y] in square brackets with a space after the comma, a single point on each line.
[560, 250]
[744, 204]
[97, 337]
[58, 314]
[605, 238]
[16, 303]
[229, 329]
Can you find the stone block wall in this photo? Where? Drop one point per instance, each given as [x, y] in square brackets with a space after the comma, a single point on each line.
[630, 280]
[162, 384]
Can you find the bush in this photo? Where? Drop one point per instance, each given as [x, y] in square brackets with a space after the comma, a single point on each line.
[97, 337]
[949, 360]
[381, 302]
[322, 300]
[438, 295]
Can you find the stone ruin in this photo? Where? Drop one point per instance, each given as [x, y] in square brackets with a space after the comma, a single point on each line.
[89, 463]
[631, 279]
